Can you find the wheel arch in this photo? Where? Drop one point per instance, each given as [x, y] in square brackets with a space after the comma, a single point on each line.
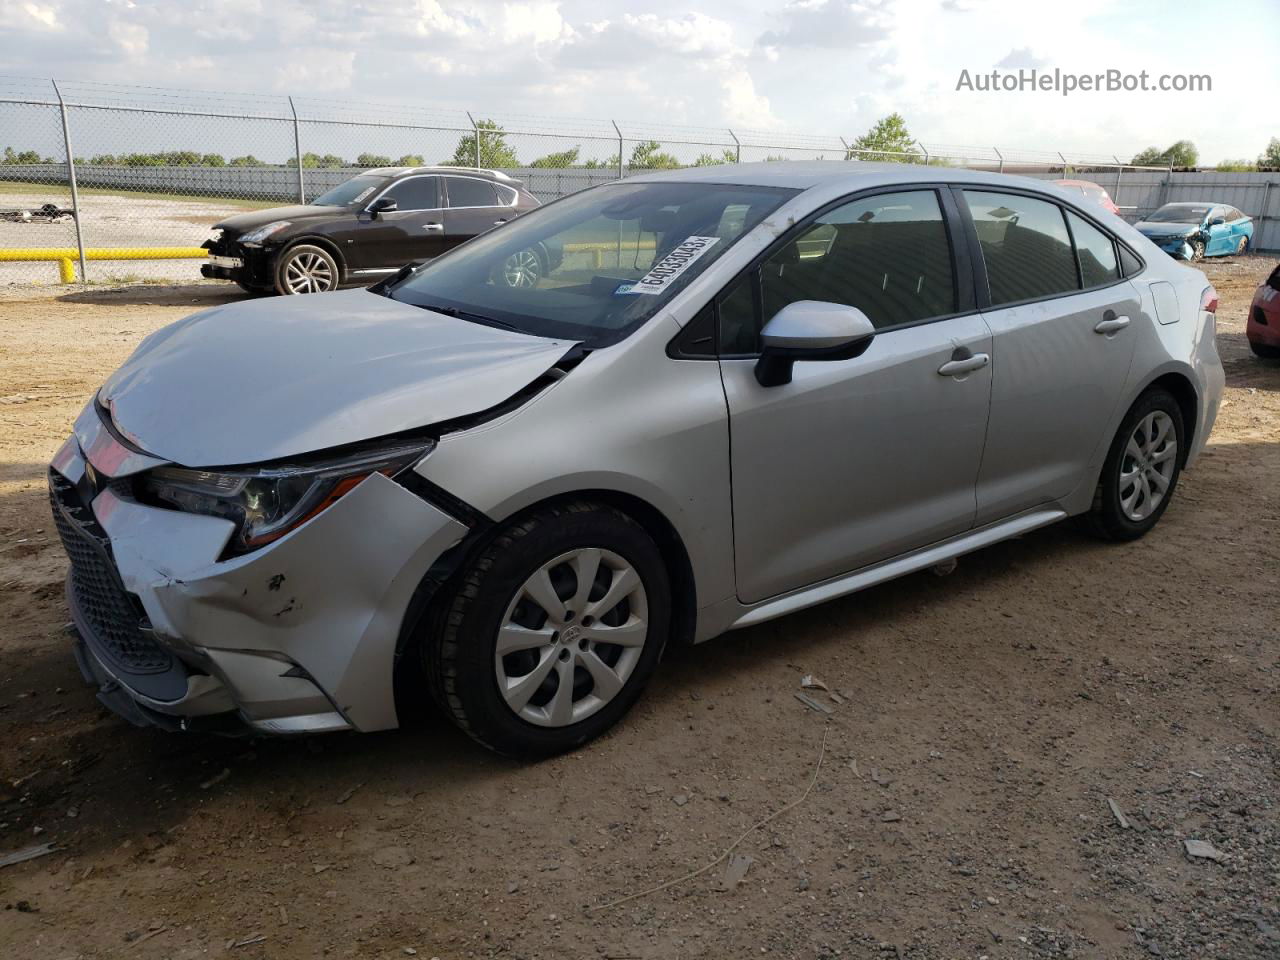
[314, 240]
[430, 600]
[1183, 391]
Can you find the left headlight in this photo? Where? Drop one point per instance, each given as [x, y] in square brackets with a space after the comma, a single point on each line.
[255, 237]
[265, 503]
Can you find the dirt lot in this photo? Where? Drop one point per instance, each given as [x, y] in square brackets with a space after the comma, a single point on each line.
[959, 811]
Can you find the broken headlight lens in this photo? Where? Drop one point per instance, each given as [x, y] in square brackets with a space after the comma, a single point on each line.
[265, 503]
[254, 238]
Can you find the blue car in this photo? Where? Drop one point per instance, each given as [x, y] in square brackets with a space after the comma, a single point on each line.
[1193, 230]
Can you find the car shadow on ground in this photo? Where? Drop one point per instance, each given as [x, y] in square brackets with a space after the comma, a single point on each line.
[143, 294]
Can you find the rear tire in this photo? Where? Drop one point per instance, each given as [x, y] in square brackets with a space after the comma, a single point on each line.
[1141, 470]
[306, 268]
[1242, 246]
[541, 587]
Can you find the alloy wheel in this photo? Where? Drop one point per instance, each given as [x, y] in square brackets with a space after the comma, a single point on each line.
[571, 637]
[522, 269]
[1147, 465]
[308, 273]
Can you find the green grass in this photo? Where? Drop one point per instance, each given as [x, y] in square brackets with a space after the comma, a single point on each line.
[62, 190]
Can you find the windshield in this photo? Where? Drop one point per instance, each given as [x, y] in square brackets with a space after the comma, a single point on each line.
[595, 265]
[1180, 213]
[355, 190]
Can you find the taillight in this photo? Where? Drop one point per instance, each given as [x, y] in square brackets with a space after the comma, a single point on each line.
[1209, 300]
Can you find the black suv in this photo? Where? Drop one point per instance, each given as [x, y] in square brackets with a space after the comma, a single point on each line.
[368, 228]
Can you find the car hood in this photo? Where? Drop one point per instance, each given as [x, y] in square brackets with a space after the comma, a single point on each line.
[243, 222]
[1165, 229]
[264, 380]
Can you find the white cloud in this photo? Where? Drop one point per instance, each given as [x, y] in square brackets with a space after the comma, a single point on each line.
[829, 67]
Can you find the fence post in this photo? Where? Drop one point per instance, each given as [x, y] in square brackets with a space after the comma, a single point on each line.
[923, 150]
[1000, 157]
[71, 178]
[476, 127]
[619, 133]
[848, 151]
[1262, 211]
[737, 146]
[297, 151]
[1119, 173]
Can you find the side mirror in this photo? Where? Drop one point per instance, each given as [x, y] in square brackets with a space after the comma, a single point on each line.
[810, 330]
[1217, 221]
[382, 205]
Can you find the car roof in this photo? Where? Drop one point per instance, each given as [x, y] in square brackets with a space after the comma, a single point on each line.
[472, 171]
[850, 174]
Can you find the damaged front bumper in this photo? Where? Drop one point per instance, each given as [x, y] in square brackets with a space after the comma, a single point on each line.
[298, 637]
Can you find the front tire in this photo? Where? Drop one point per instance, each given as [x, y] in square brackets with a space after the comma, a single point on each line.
[1264, 351]
[1141, 469]
[1197, 250]
[552, 632]
[306, 268]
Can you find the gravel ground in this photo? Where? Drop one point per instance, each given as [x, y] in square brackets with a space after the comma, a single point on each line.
[960, 809]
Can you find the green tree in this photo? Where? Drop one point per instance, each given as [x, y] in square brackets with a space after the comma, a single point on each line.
[608, 163]
[1236, 166]
[372, 160]
[249, 160]
[888, 134]
[1183, 153]
[559, 161]
[495, 152]
[1271, 156]
[728, 155]
[648, 155]
[411, 160]
[213, 160]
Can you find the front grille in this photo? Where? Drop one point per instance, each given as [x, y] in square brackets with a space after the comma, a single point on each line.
[113, 616]
[224, 244]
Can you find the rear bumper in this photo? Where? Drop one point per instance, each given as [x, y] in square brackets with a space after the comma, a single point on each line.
[298, 637]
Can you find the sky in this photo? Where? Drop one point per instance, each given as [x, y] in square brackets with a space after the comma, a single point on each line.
[827, 67]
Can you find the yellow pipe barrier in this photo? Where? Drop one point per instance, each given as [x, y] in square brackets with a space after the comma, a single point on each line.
[600, 247]
[66, 257]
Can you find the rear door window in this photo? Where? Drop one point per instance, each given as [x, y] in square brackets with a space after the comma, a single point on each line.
[1095, 251]
[469, 192]
[1025, 246]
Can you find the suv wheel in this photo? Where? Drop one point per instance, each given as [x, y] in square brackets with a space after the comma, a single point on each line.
[1141, 469]
[306, 268]
[553, 631]
[523, 269]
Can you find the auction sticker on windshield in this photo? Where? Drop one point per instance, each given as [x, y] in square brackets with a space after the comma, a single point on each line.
[667, 270]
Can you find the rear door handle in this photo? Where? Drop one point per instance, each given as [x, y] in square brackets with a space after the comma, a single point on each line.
[1110, 323]
[433, 227]
[958, 368]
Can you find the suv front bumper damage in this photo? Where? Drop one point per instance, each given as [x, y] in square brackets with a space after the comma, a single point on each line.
[281, 639]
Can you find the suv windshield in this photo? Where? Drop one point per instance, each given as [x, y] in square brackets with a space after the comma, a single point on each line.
[595, 265]
[1179, 213]
[353, 191]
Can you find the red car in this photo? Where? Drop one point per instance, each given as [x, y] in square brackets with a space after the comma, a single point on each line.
[1092, 192]
[1263, 329]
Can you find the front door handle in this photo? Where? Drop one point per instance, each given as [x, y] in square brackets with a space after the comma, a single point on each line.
[498, 223]
[958, 368]
[1110, 323]
[433, 227]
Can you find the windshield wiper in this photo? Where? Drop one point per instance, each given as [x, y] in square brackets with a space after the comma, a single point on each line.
[467, 315]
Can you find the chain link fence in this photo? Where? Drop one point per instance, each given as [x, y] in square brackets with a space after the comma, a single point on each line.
[124, 183]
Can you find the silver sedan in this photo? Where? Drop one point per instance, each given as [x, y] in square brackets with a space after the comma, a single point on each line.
[742, 391]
